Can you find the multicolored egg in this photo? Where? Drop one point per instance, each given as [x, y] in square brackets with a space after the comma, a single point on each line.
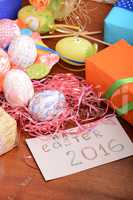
[42, 66]
[37, 20]
[47, 105]
[22, 51]
[18, 88]
[8, 31]
[4, 62]
[74, 50]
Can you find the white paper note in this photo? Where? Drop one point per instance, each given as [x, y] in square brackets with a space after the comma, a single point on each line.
[60, 155]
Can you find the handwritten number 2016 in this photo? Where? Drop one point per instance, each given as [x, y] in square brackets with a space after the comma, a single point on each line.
[90, 153]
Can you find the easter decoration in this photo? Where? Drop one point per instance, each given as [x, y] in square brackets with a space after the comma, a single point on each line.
[46, 105]
[42, 65]
[4, 62]
[75, 50]
[18, 88]
[118, 23]
[25, 50]
[46, 57]
[56, 101]
[51, 104]
[4, 66]
[8, 132]
[22, 51]
[8, 31]
[9, 9]
[39, 15]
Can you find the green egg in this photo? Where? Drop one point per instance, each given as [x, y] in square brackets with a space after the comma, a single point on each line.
[37, 71]
[39, 21]
[74, 50]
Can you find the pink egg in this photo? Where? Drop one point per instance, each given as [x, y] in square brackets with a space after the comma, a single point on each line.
[8, 31]
[4, 62]
[18, 88]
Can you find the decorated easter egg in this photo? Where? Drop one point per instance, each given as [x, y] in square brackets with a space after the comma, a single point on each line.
[47, 105]
[74, 50]
[8, 31]
[42, 66]
[4, 62]
[22, 51]
[37, 71]
[36, 20]
[18, 88]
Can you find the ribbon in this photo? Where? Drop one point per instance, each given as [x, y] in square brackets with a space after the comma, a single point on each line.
[123, 110]
[126, 4]
[115, 86]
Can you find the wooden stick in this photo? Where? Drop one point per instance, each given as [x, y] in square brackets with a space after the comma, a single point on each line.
[95, 39]
[57, 36]
[70, 34]
[84, 34]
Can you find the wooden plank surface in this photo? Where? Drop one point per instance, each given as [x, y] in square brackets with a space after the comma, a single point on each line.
[113, 181]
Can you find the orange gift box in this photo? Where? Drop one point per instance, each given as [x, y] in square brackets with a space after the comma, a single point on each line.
[112, 70]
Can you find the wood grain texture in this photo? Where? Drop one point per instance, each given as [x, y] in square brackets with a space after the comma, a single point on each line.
[112, 181]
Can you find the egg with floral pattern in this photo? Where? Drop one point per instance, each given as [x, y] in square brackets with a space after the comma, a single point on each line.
[22, 51]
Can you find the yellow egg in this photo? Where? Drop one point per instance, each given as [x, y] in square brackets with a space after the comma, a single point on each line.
[75, 50]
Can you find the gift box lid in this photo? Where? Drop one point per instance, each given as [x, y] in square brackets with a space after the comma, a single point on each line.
[120, 17]
[115, 61]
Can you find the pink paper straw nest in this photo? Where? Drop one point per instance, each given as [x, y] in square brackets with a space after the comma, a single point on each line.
[83, 105]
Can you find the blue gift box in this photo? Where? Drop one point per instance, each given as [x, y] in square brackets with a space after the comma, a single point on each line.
[119, 23]
[9, 8]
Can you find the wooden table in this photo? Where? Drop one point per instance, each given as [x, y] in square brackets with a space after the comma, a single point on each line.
[113, 181]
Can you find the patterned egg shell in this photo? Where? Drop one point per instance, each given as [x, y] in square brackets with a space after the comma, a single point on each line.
[4, 62]
[22, 51]
[36, 20]
[47, 105]
[8, 31]
[75, 50]
[18, 88]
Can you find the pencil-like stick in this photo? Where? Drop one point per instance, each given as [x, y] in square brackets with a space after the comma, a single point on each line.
[94, 39]
[70, 34]
[84, 34]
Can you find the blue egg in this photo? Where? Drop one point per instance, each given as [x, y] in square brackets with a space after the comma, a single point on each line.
[47, 105]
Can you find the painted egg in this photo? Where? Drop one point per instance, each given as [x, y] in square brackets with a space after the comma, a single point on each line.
[47, 105]
[22, 51]
[4, 62]
[18, 88]
[8, 31]
[37, 71]
[42, 66]
[75, 50]
[36, 20]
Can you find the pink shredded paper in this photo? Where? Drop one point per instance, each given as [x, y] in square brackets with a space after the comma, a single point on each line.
[83, 105]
